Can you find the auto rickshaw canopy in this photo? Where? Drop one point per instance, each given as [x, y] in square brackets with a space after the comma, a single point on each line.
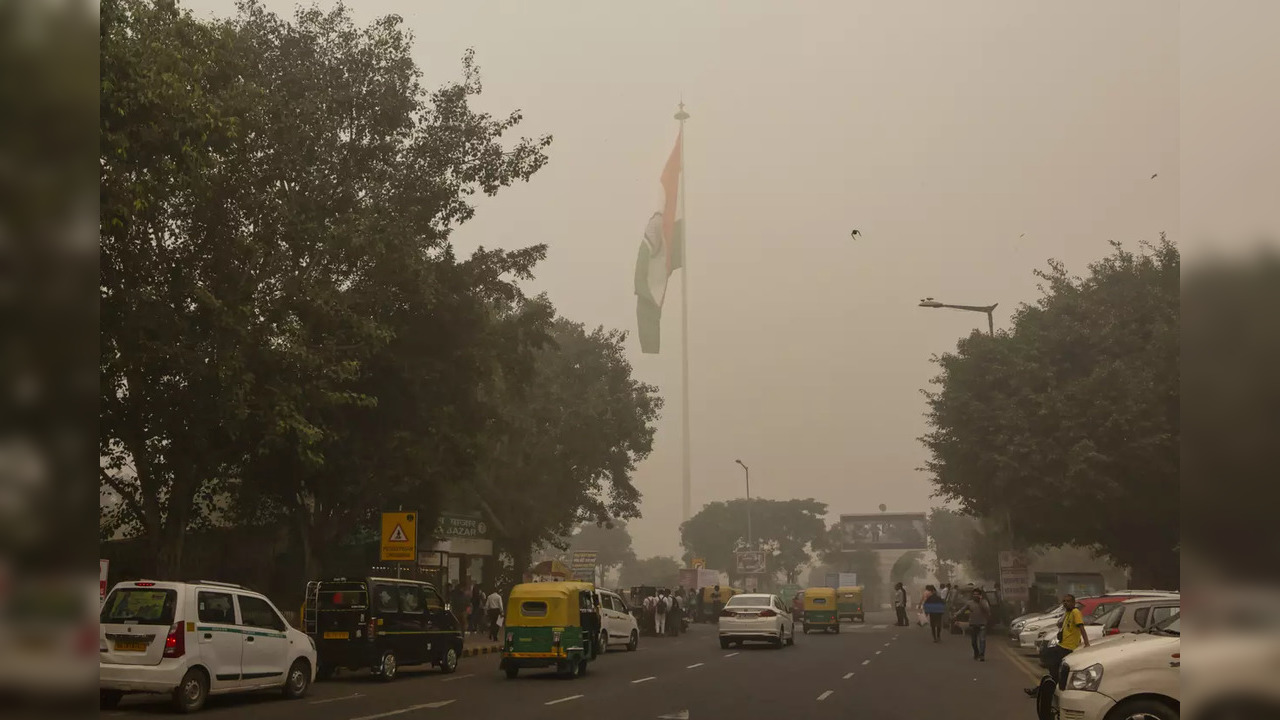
[820, 598]
[548, 604]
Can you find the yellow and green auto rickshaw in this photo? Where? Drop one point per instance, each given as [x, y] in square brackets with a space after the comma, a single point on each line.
[820, 610]
[849, 603]
[551, 624]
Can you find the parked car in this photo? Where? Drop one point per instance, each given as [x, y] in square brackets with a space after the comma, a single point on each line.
[1141, 614]
[1136, 676]
[756, 616]
[1095, 629]
[1091, 608]
[620, 625]
[193, 640]
[380, 624]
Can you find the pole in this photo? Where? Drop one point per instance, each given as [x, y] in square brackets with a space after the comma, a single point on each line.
[751, 538]
[991, 323]
[686, 498]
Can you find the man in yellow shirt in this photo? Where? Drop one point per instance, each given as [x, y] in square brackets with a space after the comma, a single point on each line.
[1073, 634]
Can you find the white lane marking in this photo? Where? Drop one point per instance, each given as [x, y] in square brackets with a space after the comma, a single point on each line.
[563, 699]
[352, 696]
[458, 677]
[681, 715]
[847, 676]
[644, 679]
[866, 662]
[879, 651]
[886, 644]
[825, 695]
[730, 655]
[402, 711]
[690, 667]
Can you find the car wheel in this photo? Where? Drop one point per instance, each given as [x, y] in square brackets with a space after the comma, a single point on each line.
[581, 669]
[109, 699]
[449, 661]
[778, 641]
[512, 672]
[1143, 709]
[191, 692]
[724, 644]
[604, 642]
[387, 667]
[837, 628]
[298, 679]
[791, 636]
[633, 642]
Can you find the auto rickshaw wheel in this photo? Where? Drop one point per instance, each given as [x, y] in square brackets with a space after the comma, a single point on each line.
[837, 628]
[512, 672]
[806, 629]
[724, 644]
[388, 667]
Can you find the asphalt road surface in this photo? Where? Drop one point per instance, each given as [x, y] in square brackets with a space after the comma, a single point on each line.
[873, 670]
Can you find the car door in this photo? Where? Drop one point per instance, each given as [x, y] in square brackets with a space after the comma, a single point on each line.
[412, 626]
[219, 637]
[787, 623]
[612, 617]
[266, 646]
[442, 625]
[1160, 613]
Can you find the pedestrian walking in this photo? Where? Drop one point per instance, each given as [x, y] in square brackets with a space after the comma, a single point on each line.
[934, 607]
[979, 617]
[458, 605]
[900, 605]
[716, 603]
[493, 606]
[660, 609]
[477, 608]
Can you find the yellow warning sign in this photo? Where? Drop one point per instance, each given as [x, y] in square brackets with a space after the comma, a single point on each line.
[698, 563]
[399, 536]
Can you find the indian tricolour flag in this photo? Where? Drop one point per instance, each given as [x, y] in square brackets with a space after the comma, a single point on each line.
[661, 252]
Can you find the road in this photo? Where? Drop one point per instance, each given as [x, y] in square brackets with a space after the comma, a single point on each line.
[871, 670]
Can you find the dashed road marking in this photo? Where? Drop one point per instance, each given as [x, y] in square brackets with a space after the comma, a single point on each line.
[866, 662]
[644, 679]
[847, 676]
[886, 644]
[402, 711]
[730, 655]
[690, 667]
[879, 651]
[563, 699]
[825, 695]
[352, 696]
[458, 677]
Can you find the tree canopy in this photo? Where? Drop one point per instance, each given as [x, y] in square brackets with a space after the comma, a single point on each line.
[786, 530]
[288, 335]
[1069, 422]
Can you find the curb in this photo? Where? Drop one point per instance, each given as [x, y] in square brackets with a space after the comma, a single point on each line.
[481, 650]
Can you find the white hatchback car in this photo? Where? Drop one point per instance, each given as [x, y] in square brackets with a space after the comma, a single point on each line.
[620, 626]
[756, 616]
[192, 640]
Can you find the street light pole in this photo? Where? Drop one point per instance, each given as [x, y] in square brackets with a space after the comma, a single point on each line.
[988, 309]
[751, 541]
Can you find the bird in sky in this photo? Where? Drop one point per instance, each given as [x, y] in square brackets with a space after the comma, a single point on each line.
[1153, 175]
[1022, 235]
[855, 233]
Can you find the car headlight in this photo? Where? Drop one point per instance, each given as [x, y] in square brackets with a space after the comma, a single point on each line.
[1017, 627]
[1087, 679]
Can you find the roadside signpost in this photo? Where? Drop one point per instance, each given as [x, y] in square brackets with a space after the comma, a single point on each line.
[399, 536]
[1015, 576]
[583, 563]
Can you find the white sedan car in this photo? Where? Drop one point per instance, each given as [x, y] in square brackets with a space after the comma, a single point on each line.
[756, 616]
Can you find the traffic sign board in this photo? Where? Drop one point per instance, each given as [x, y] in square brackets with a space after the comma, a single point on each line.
[399, 536]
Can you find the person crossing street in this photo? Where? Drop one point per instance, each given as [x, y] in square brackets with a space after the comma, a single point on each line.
[493, 606]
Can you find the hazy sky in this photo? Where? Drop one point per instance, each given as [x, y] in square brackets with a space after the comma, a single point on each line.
[943, 131]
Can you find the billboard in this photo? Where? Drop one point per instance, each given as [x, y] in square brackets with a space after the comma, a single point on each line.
[883, 531]
[749, 561]
[1015, 579]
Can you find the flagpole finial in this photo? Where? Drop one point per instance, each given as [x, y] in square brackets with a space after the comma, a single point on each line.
[682, 115]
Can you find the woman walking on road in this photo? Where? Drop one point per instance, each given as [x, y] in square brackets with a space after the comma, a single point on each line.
[934, 606]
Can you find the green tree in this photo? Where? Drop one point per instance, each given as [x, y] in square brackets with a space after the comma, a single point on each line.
[787, 530]
[287, 333]
[659, 571]
[564, 442]
[610, 541]
[1068, 424]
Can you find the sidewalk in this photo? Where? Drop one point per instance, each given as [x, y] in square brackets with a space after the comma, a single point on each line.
[479, 644]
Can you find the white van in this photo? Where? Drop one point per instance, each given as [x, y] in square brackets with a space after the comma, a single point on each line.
[192, 640]
[620, 625]
[1131, 676]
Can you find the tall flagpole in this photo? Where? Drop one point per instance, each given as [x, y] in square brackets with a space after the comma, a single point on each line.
[687, 504]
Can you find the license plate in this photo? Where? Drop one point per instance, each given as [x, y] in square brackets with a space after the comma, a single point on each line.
[337, 636]
[134, 646]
